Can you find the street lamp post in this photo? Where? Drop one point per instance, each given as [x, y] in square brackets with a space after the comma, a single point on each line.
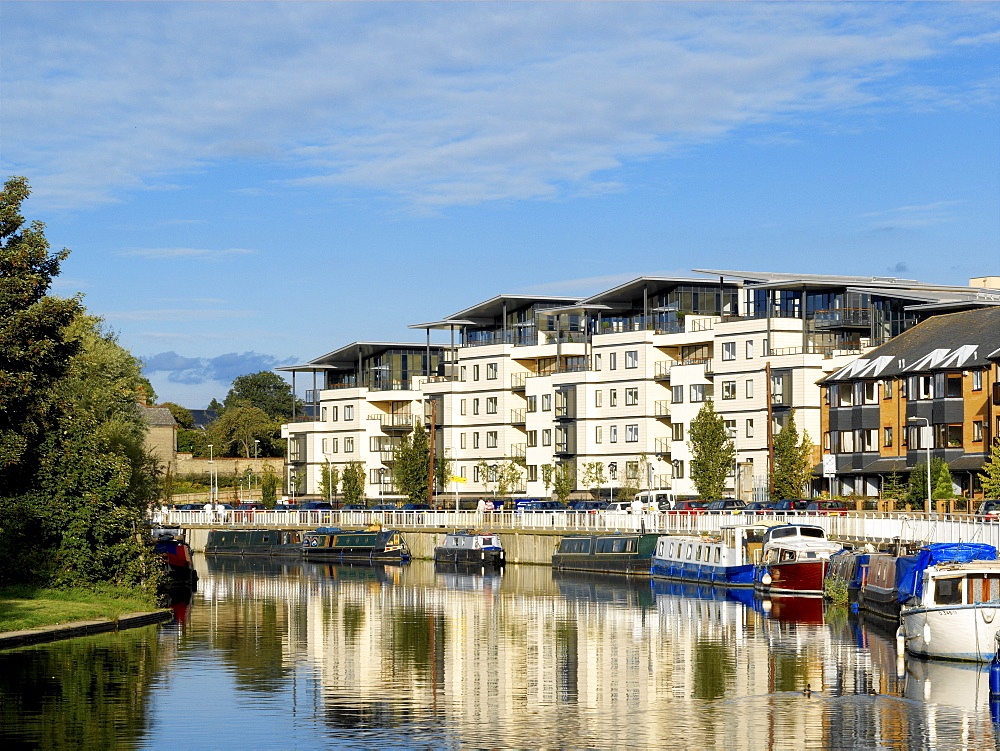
[211, 474]
[256, 463]
[329, 481]
[926, 422]
[495, 469]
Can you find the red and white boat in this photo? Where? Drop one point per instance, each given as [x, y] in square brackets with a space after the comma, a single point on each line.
[794, 560]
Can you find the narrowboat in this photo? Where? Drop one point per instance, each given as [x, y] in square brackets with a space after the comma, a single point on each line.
[466, 546]
[726, 559]
[795, 558]
[182, 578]
[624, 553]
[374, 543]
[951, 602]
[254, 542]
[879, 592]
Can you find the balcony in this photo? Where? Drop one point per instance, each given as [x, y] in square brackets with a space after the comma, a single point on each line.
[517, 416]
[395, 423]
[842, 318]
[517, 381]
[661, 409]
[518, 452]
[661, 445]
[387, 455]
[662, 370]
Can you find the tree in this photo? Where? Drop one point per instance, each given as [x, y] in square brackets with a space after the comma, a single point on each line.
[893, 488]
[916, 494]
[442, 471]
[712, 452]
[265, 390]
[216, 406]
[990, 476]
[353, 482]
[183, 416]
[146, 393]
[238, 427]
[593, 476]
[508, 477]
[269, 487]
[329, 480]
[487, 475]
[564, 481]
[548, 476]
[412, 464]
[943, 485]
[792, 462]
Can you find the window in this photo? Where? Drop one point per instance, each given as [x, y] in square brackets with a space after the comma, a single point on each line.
[333, 414]
[631, 470]
[612, 397]
[887, 436]
[729, 389]
[597, 362]
[475, 406]
[374, 475]
[546, 402]
[869, 393]
[631, 433]
[730, 426]
[475, 440]
[613, 470]
[977, 430]
[729, 350]
[461, 407]
[491, 405]
[632, 358]
[749, 430]
[322, 414]
[677, 465]
[697, 392]
[598, 399]
[887, 389]
[612, 361]
[491, 371]
[475, 372]
[677, 431]
[326, 445]
[532, 440]
[765, 348]
[546, 437]
[613, 434]
[749, 388]
[631, 397]
[462, 374]
[532, 470]
[475, 473]
[348, 445]
[977, 380]
[532, 403]
[598, 434]
[461, 440]
[749, 351]
[348, 412]
[676, 394]
[491, 439]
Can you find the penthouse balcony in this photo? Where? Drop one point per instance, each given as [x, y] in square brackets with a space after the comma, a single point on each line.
[396, 423]
[843, 318]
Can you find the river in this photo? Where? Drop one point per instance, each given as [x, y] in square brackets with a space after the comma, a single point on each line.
[287, 655]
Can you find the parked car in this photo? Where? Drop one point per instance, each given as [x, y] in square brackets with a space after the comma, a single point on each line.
[759, 507]
[354, 507]
[384, 507]
[315, 506]
[286, 507]
[413, 507]
[618, 507]
[725, 506]
[251, 507]
[689, 506]
[989, 510]
[590, 507]
[190, 507]
[827, 508]
[532, 506]
[790, 505]
[656, 500]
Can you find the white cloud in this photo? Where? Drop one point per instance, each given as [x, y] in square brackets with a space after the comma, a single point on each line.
[436, 104]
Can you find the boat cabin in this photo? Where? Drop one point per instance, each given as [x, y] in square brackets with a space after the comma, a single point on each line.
[790, 543]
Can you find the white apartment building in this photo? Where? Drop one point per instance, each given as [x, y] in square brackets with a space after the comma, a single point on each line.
[614, 378]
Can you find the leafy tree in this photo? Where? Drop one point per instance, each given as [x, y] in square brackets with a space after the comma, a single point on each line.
[563, 481]
[916, 494]
[329, 480]
[183, 416]
[265, 390]
[216, 406]
[593, 475]
[193, 442]
[712, 452]
[238, 427]
[990, 476]
[269, 487]
[792, 462]
[146, 392]
[508, 477]
[943, 485]
[487, 475]
[548, 477]
[442, 471]
[893, 488]
[630, 485]
[413, 456]
[353, 482]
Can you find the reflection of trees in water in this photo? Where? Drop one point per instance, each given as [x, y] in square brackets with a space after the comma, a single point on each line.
[253, 644]
[415, 635]
[90, 692]
[714, 668]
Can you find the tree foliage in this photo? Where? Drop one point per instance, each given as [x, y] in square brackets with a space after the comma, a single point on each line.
[563, 481]
[792, 462]
[593, 475]
[990, 476]
[183, 416]
[916, 493]
[265, 390]
[329, 480]
[235, 431]
[412, 466]
[269, 487]
[353, 482]
[712, 452]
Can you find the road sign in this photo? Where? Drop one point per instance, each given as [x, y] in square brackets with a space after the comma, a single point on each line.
[457, 479]
[829, 465]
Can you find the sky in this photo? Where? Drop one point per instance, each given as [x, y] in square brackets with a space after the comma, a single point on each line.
[250, 185]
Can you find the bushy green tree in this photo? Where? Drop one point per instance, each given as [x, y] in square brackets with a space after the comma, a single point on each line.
[265, 390]
[943, 485]
[563, 481]
[269, 487]
[412, 464]
[183, 416]
[329, 480]
[712, 452]
[894, 489]
[353, 482]
[792, 462]
[989, 478]
[238, 427]
[548, 476]
[593, 475]
[916, 494]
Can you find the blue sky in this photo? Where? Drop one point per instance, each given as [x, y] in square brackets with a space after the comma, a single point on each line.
[246, 185]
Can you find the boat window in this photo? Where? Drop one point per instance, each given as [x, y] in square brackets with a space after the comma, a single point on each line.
[776, 533]
[690, 550]
[718, 555]
[488, 541]
[811, 532]
[697, 553]
[983, 588]
[810, 554]
[670, 552]
[948, 591]
[266, 538]
[787, 555]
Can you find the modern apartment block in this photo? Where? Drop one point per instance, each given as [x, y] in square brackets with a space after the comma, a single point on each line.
[614, 378]
[933, 390]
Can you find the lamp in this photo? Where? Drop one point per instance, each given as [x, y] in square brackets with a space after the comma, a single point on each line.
[926, 422]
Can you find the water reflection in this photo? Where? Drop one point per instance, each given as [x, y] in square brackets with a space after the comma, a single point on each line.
[279, 653]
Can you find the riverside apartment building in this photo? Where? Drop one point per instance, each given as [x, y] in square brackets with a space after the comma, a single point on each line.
[614, 378]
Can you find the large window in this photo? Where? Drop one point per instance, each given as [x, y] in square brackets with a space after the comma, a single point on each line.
[532, 404]
[348, 411]
[676, 394]
[491, 439]
[491, 371]
[547, 437]
[491, 405]
[698, 391]
[348, 445]
[631, 358]
[546, 402]
[730, 426]
[729, 350]
[677, 431]
[729, 389]
[532, 440]
[631, 397]
[631, 433]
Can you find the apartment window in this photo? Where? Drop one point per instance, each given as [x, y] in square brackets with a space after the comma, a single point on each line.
[887, 436]
[348, 445]
[631, 433]
[598, 398]
[632, 358]
[887, 389]
[532, 472]
[613, 434]
[749, 430]
[462, 471]
[612, 361]
[546, 402]
[374, 475]
[631, 397]
[631, 470]
[677, 465]
[333, 414]
[612, 397]
[749, 351]
[869, 392]
[846, 441]
[475, 473]
[676, 394]
[868, 440]
[532, 440]
[532, 403]
[348, 412]
[475, 406]
[491, 371]
[491, 439]
[765, 348]
[729, 350]
[677, 431]
[475, 440]
[697, 392]
[612, 470]
[949, 436]
[326, 445]
[461, 440]
[322, 414]
[729, 389]
[749, 388]
[461, 407]
[597, 362]
[547, 437]
[491, 405]
[462, 374]
[475, 372]
[730, 426]
[977, 430]
[598, 434]
[977, 380]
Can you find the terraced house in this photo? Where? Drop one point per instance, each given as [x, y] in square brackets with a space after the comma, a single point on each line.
[612, 379]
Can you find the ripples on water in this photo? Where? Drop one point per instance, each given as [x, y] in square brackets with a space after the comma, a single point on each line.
[291, 655]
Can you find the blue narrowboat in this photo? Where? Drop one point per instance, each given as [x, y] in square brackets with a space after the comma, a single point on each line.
[726, 559]
[254, 542]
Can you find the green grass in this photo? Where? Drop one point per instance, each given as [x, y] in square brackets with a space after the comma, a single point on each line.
[31, 607]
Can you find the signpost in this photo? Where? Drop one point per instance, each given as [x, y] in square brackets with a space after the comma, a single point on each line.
[455, 479]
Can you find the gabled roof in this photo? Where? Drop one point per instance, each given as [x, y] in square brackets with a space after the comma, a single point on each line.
[954, 341]
[156, 416]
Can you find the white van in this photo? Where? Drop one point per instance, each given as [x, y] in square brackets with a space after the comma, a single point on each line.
[656, 500]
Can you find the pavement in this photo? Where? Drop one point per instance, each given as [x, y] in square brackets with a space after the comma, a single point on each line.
[12, 639]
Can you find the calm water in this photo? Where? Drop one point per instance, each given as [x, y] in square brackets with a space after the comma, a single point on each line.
[287, 655]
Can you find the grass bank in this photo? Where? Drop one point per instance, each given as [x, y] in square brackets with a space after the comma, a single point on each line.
[31, 607]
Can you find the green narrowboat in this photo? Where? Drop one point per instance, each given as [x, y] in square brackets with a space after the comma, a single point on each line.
[333, 544]
[254, 542]
[623, 553]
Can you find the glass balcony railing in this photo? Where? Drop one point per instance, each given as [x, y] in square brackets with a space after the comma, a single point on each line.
[517, 416]
[661, 408]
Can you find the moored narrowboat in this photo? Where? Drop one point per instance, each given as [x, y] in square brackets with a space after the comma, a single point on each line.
[182, 578]
[726, 559]
[467, 546]
[795, 557]
[624, 553]
[254, 542]
[373, 543]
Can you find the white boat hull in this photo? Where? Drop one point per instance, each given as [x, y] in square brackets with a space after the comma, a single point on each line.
[954, 632]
